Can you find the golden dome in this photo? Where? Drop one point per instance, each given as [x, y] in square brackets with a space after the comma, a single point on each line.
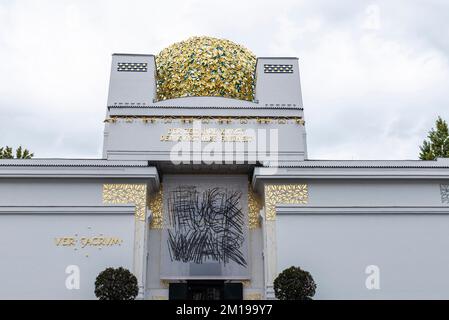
[205, 66]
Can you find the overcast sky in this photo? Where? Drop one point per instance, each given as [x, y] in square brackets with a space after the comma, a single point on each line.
[375, 74]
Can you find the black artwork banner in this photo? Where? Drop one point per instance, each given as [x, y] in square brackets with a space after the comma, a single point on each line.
[205, 231]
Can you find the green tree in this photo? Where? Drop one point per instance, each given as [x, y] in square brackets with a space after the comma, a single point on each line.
[294, 284]
[21, 153]
[437, 143]
[116, 284]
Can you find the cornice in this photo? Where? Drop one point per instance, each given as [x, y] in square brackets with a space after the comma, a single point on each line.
[348, 173]
[285, 209]
[35, 210]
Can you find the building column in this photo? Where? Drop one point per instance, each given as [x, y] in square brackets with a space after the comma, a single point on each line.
[275, 194]
[270, 256]
[140, 236]
[133, 193]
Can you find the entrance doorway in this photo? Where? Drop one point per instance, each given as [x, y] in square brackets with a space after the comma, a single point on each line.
[205, 290]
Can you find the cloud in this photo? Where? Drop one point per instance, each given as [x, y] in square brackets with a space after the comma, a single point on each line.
[374, 73]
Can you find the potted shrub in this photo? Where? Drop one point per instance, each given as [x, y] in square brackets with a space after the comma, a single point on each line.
[116, 284]
[294, 284]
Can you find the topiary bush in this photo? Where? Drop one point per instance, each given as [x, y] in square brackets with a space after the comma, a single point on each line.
[294, 284]
[116, 284]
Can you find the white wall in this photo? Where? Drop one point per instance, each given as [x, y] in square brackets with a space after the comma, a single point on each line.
[410, 250]
[32, 266]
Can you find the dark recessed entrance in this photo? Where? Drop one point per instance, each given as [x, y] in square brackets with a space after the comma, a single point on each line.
[205, 290]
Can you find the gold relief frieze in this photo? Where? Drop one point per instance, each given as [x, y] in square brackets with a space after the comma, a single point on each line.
[224, 120]
[148, 120]
[123, 193]
[187, 120]
[300, 121]
[156, 205]
[264, 120]
[252, 296]
[254, 207]
[205, 119]
[283, 194]
[165, 284]
[246, 283]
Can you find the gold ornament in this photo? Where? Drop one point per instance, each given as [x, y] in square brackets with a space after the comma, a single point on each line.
[127, 194]
[283, 193]
[205, 66]
[155, 204]
[253, 296]
[206, 119]
[254, 207]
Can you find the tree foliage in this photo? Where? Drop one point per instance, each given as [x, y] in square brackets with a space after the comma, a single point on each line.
[116, 284]
[20, 153]
[437, 143]
[294, 284]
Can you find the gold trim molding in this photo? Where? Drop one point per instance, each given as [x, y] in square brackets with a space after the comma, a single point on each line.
[127, 194]
[156, 205]
[205, 119]
[283, 193]
[252, 296]
[254, 207]
[165, 283]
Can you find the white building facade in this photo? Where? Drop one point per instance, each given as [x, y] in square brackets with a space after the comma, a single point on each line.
[206, 196]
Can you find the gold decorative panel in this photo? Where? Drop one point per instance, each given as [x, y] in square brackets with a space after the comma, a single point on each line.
[165, 283]
[155, 203]
[127, 194]
[246, 283]
[254, 207]
[283, 193]
[252, 296]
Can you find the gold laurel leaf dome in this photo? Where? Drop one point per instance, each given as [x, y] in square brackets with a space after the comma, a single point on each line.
[205, 66]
